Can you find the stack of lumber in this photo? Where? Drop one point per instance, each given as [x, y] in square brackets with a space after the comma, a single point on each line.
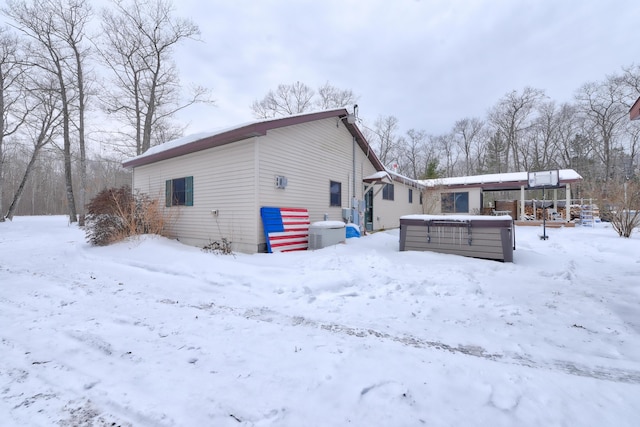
[528, 211]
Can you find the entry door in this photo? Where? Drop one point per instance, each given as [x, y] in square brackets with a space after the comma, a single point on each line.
[368, 212]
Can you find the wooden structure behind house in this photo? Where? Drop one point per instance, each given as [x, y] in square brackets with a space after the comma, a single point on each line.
[316, 161]
[465, 195]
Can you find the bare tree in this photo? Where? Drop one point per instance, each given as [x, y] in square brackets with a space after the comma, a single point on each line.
[568, 128]
[75, 15]
[631, 80]
[623, 206]
[297, 98]
[12, 115]
[495, 154]
[284, 101]
[413, 153]
[384, 139]
[41, 126]
[57, 27]
[106, 171]
[140, 37]
[449, 152]
[545, 135]
[511, 117]
[467, 133]
[632, 131]
[331, 97]
[602, 104]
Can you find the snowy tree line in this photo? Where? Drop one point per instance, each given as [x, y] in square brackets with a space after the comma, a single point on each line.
[527, 131]
[63, 69]
[524, 131]
[66, 70]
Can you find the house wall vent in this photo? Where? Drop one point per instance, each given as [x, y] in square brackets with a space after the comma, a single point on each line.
[281, 181]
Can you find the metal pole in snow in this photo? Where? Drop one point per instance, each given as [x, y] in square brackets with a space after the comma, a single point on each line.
[544, 215]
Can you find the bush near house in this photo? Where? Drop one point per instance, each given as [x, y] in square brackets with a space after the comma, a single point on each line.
[623, 207]
[116, 213]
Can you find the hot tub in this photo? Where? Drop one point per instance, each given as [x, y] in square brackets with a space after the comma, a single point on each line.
[477, 236]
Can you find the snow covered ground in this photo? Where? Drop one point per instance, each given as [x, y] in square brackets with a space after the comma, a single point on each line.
[154, 333]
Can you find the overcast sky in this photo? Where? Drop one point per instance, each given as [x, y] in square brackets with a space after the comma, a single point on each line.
[427, 62]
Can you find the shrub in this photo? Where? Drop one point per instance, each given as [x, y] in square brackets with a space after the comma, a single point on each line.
[115, 214]
[222, 247]
[623, 207]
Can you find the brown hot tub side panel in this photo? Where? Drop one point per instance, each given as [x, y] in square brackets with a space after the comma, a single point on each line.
[477, 239]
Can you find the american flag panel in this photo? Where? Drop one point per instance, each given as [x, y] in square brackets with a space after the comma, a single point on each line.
[286, 229]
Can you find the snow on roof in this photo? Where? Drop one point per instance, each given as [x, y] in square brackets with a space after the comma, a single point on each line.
[188, 139]
[457, 218]
[378, 175]
[404, 179]
[564, 175]
[198, 136]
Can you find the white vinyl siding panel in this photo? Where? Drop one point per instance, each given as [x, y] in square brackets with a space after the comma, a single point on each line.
[310, 155]
[387, 213]
[224, 180]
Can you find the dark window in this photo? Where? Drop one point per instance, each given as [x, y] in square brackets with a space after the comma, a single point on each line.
[335, 193]
[421, 197]
[179, 191]
[410, 195]
[455, 202]
[387, 192]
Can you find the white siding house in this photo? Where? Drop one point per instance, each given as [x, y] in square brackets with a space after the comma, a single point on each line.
[215, 184]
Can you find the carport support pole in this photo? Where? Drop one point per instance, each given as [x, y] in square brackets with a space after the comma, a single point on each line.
[521, 202]
[567, 209]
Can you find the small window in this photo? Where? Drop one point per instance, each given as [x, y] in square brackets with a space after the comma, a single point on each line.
[335, 193]
[410, 195]
[179, 192]
[421, 197]
[455, 202]
[387, 192]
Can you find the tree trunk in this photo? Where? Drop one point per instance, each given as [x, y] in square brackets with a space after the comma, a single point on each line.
[71, 202]
[1, 179]
[23, 183]
[66, 123]
[81, 139]
[1, 151]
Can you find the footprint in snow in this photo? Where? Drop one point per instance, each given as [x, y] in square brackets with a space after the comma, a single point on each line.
[504, 397]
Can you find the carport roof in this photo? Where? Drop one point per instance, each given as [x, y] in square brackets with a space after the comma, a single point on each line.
[499, 181]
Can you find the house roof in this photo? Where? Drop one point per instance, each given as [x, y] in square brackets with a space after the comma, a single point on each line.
[634, 112]
[380, 177]
[203, 141]
[499, 181]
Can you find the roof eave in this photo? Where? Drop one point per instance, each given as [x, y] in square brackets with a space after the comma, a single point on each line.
[195, 146]
[238, 134]
[364, 145]
[504, 186]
